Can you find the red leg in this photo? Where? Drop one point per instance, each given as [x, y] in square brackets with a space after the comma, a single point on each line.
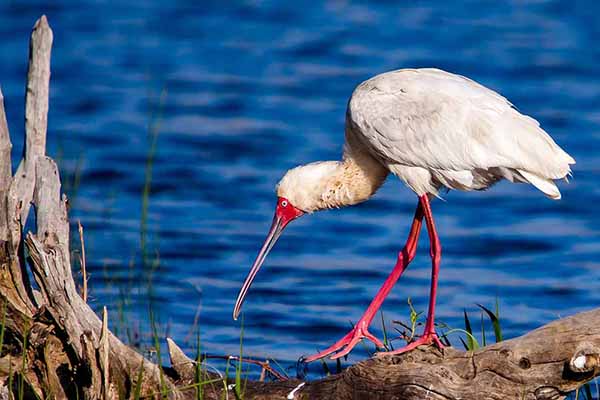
[429, 336]
[360, 330]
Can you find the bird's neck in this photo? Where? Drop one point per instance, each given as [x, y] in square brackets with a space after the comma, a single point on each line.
[354, 179]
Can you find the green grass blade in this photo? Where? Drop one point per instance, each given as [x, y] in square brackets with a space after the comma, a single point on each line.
[3, 325]
[588, 391]
[445, 341]
[281, 369]
[238, 369]
[414, 318]
[482, 331]
[21, 382]
[226, 378]
[10, 378]
[199, 372]
[163, 386]
[153, 132]
[138, 384]
[386, 343]
[494, 317]
[470, 338]
[325, 367]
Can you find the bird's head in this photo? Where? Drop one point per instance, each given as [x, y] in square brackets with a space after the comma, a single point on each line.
[299, 192]
[309, 187]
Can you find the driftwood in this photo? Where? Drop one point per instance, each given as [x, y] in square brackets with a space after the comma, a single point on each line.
[55, 346]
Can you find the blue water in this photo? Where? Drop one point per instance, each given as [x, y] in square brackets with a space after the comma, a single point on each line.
[254, 88]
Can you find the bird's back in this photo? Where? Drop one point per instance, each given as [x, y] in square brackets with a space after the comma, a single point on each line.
[449, 126]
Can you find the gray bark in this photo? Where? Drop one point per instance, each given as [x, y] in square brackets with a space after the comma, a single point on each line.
[5, 168]
[36, 111]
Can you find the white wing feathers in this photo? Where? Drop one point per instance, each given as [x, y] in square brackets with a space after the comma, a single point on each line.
[545, 185]
[440, 121]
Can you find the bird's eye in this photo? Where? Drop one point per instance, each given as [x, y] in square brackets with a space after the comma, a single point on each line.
[284, 203]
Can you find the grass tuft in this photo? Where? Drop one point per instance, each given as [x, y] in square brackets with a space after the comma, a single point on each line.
[495, 318]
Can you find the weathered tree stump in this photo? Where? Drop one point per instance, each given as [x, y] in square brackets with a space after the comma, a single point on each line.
[62, 350]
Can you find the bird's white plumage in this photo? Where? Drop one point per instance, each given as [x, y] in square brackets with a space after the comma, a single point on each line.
[433, 128]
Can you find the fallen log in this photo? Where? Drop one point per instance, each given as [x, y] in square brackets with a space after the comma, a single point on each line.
[55, 346]
[544, 364]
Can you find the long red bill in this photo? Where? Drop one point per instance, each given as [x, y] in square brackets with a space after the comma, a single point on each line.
[284, 213]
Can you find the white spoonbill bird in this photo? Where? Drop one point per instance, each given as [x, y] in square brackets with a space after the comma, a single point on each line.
[433, 130]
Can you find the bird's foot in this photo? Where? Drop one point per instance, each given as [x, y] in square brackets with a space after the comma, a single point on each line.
[428, 338]
[347, 343]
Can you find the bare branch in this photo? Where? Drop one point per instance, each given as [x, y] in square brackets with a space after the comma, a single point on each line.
[20, 192]
[38, 86]
[36, 112]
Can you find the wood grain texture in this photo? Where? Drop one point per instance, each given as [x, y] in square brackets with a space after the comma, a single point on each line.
[38, 90]
[49, 261]
[534, 366]
[20, 190]
[36, 113]
[5, 167]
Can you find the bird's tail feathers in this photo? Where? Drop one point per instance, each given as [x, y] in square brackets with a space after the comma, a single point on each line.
[545, 185]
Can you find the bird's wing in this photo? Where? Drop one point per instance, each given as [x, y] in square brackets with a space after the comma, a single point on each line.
[433, 119]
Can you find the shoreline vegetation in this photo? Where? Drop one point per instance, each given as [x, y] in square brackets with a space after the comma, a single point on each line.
[54, 346]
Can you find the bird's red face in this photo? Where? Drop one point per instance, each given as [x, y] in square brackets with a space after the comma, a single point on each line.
[285, 212]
